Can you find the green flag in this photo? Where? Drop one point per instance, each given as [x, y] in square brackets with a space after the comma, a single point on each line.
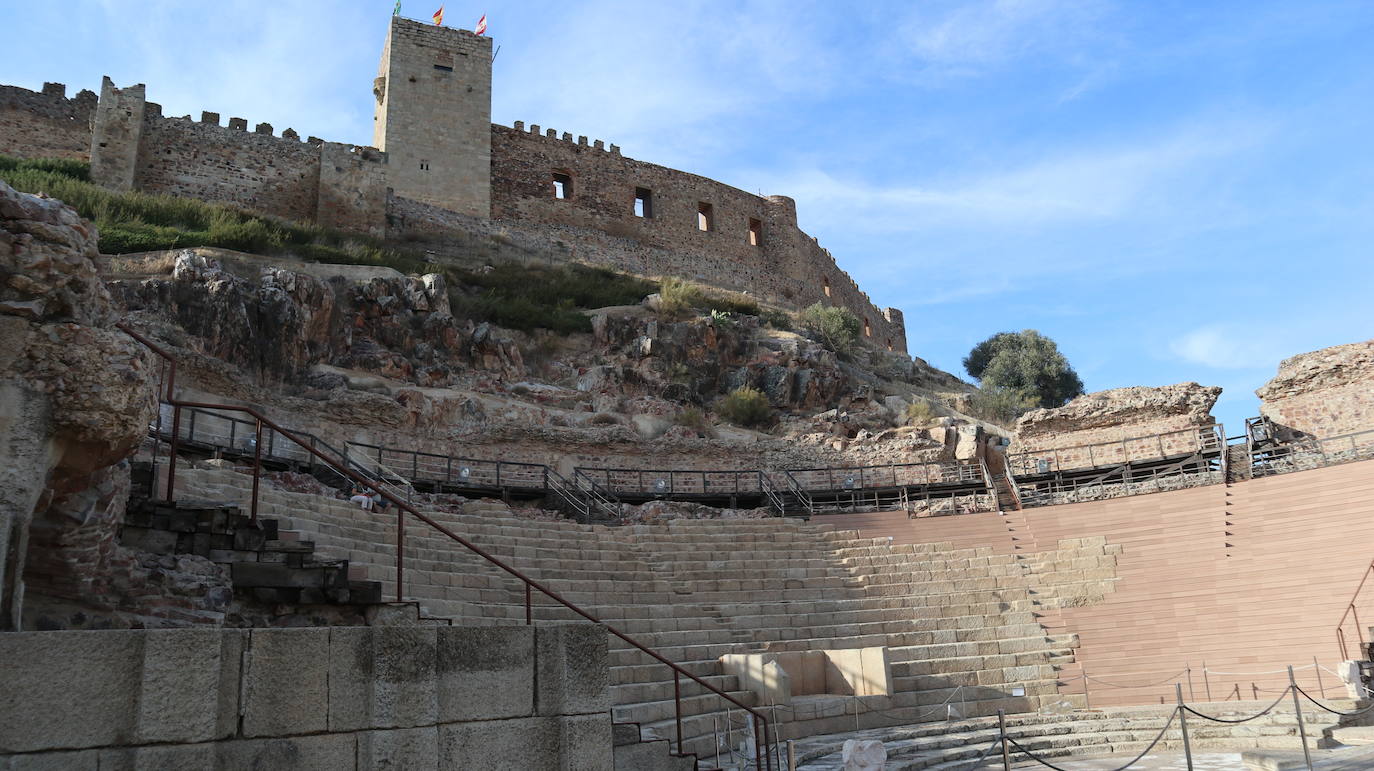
[397, 12]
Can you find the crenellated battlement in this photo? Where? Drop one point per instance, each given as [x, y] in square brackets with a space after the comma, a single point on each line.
[535, 131]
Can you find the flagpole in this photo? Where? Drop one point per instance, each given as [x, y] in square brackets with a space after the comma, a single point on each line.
[494, 53]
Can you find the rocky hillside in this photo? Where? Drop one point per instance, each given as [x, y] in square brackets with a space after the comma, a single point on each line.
[369, 353]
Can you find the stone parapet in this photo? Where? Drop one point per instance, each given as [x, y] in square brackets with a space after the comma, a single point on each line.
[1324, 393]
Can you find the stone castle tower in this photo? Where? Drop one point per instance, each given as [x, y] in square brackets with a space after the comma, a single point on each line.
[433, 115]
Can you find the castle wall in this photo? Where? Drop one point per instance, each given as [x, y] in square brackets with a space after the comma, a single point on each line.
[230, 165]
[133, 147]
[786, 265]
[46, 124]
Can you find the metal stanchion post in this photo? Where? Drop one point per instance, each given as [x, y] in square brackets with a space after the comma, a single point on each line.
[1206, 681]
[1321, 686]
[1002, 734]
[1297, 709]
[791, 756]
[1087, 698]
[1183, 726]
[1191, 696]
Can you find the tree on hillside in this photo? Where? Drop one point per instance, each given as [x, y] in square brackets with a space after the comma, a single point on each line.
[1027, 364]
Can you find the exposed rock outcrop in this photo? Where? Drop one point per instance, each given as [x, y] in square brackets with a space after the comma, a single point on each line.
[77, 395]
[1324, 393]
[277, 324]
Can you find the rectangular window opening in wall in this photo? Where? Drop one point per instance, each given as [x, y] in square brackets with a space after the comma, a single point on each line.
[644, 203]
[889, 344]
[705, 217]
[868, 330]
[755, 232]
[424, 165]
[443, 68]
[562, 185]
[825, 287]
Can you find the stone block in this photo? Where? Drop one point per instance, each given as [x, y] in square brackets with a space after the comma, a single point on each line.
[404, 689]
[517, 744]
[487, 672]
[585, 743]
[330, 752]
[69, 690]
[286, 682]
[572, 673]
[170, 757]
[190, 685]
[409, 749]
[81, 760]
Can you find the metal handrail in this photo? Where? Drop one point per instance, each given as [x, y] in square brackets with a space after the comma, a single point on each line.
[1029, 461]
[450, 469]
[1351, 610]
[775, 499]
[761, 725]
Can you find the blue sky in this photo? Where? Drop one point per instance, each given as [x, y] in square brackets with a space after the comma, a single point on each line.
[1171, 190]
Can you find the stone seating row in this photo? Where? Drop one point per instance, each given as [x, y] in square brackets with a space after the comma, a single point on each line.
[793, 587]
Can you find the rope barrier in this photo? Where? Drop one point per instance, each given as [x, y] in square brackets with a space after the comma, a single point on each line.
[1283, 671]
[988, 751]
[1333, 711]
[1132, 762]
[1242, 720]
[1170, 679]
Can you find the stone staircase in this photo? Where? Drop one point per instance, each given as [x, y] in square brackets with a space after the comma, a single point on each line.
[954, 620]
[266, 564]
[1123, 732]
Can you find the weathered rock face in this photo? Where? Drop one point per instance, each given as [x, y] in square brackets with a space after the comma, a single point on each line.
[279, 324]
[1323, 393]
[1121, 413]
[698, 360]
[77, 395]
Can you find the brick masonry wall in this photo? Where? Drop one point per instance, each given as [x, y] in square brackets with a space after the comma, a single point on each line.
[46, 124]
[786, 267]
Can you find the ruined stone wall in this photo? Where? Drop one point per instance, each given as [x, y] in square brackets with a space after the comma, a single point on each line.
[46, 124]
[1113, 427]
[1324, 393]
[782, 264]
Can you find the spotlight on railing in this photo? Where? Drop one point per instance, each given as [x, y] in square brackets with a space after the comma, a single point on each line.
[464, 472]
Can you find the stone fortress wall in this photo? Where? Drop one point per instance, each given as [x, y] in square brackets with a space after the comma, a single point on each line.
[46, 124]
[440, 154]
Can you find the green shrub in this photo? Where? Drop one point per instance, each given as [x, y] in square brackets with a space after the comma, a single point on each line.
[141, 222]
[677, 297]
[695, 419]
[838, 328]
[919, 413]
[528, 297]
[1000, 405]
[1026, 362]
[776, 319]
[746, 407]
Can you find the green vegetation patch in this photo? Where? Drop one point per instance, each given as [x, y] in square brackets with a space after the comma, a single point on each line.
[678, 297]
[527, 297]
[142, 222]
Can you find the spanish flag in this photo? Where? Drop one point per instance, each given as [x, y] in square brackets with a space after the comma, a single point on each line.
[439, 16]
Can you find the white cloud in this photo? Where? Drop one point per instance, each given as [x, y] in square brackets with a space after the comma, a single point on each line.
[1076, 187]
[1230, 346]
[954, 39]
